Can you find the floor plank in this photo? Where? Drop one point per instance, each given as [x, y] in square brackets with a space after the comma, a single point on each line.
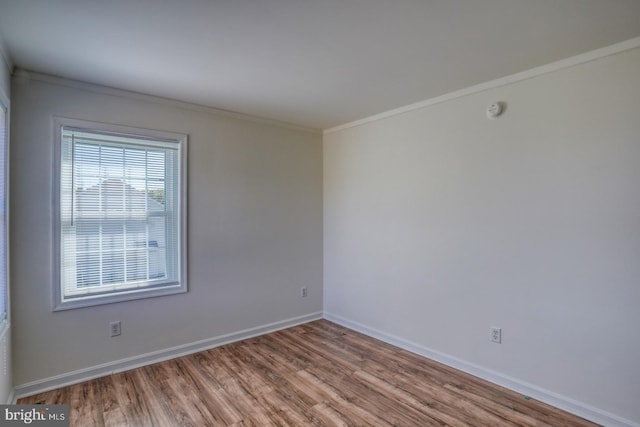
[316, 374]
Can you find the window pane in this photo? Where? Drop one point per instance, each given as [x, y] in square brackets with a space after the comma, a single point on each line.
[157, 248]
[87, 253]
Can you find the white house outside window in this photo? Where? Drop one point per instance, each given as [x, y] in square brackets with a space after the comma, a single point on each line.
[121, 213]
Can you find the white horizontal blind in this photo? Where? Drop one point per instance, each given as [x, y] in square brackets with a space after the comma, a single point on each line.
[119, 214]
[3, 212]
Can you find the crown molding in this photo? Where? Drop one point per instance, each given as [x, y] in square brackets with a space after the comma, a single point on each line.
[26, 75]
[5, 55]
[503, 81]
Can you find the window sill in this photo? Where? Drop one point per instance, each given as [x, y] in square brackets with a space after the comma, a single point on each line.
[91, 301]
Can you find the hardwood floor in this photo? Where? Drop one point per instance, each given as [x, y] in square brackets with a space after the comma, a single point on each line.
[317, 374]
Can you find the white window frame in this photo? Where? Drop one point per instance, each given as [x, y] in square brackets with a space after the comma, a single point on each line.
[124, 293]
[6, 316]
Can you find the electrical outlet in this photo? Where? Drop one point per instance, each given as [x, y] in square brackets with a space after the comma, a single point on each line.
[495, 334]
[115, 328]
[303, 292]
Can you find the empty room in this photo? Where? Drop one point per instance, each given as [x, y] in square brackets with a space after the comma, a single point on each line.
[330, 212]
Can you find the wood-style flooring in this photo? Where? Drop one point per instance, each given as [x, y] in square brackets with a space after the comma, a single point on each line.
[316, 374]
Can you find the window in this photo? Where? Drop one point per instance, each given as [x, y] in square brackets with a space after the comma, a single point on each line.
[4, 235]
[121, 213]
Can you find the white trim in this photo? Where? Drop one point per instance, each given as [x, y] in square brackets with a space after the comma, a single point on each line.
[26, 75]
[562, 402]
[5, 324]
[6, 327]
[503, 81]
[178, 140]
[6, 103]
[80, 375]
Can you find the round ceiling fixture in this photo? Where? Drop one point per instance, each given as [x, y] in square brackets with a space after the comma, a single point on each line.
[494, 110]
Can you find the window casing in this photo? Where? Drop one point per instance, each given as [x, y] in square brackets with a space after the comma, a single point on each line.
[121, 213]
[4, 213]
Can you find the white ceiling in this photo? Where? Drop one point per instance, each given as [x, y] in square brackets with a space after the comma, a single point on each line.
[314, 63]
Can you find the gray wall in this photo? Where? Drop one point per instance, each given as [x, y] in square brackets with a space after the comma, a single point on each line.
[255, 230]
[439, 223]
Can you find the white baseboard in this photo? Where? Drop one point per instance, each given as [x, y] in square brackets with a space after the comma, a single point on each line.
[554, 399]
[128, 363]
